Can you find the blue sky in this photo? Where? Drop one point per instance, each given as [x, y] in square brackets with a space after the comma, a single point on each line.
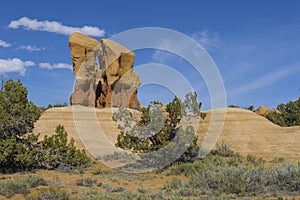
[255, 44]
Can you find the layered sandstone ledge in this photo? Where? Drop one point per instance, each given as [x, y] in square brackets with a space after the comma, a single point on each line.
[245, 131]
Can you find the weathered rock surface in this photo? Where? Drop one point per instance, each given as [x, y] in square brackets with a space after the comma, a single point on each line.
[110, 83]
[263, 111]
[245, 131]
[80, 45]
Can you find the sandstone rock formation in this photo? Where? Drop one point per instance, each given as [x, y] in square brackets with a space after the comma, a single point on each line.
[245, 131]
[263, 111]
[110, 83]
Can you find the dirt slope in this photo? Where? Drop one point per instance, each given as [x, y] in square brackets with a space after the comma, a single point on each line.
[245, 131]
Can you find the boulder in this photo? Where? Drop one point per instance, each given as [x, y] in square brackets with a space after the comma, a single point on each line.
[263, 111]
[110, 83]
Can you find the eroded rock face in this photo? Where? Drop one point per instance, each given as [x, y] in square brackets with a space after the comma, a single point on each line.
[110, 83]
[264, 111]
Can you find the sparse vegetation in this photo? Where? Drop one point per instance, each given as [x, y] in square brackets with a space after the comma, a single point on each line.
[251, 107]
[20, 186]
[216, 175]
[119, 156]
[56, 105]
[50, 193]
[255, 160]
[86, 182]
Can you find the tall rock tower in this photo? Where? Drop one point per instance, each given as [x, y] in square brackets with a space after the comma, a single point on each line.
[108, 81]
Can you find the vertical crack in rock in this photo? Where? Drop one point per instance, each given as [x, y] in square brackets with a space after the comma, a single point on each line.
[114, 84]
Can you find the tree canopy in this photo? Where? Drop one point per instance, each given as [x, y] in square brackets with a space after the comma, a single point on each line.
[20, 149]
[288, 115]
[17, 114]
[160, 129]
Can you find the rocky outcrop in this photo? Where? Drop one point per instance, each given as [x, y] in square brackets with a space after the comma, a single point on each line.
[246, 132]
[110, 83]
[264, 111]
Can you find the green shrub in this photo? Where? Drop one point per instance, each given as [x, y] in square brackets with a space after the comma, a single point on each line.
[53, 152]
[118, 189]
[239, 180]
[158, 135]
[34, 181]
[223, 150]
[49, 194]
[286, 178]
[289, 114]
[20, 186]
[212, 177]
[17, 113]
[12, 187]
[278, 160]
[128, 195]
[93, 195]
[97, 171]
[174, 184]
[186, 169]
[251, 107]
[276, 118]
[119, 156]
[252, 159]
[86, 182]
[57, 151]
[20, 149]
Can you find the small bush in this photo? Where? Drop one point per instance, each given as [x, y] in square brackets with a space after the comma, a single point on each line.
[278, 160]
[34, 181]
[252, 159]
[128, 195]
[97, 171]
[56, 151]
[86, 182]
[186, 169]
[49, 194]
[175, 184]
[27, 153]
[20, 186]
[118, 189]
[223, 150]
[12, 187]
[239, 180]
[119, 156]
[93, 195]
[142, 190]
[286, 178]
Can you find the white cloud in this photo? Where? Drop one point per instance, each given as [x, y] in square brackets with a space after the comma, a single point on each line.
[31, 48]
[163, 56]
[54, 27]
[265, 80]
[4, 44]
[207, 39]
[56, 66]
[14, 65]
